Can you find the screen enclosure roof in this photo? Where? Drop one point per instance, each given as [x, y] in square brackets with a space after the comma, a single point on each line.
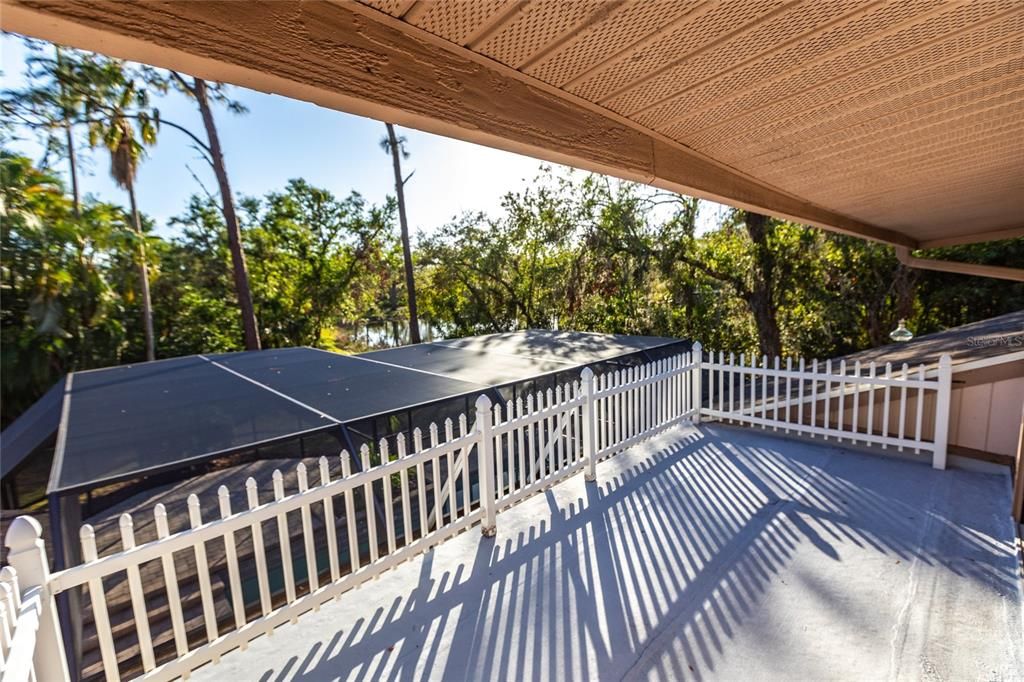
[133, 420]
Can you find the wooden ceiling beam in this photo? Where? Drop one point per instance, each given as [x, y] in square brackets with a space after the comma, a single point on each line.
[994, 235]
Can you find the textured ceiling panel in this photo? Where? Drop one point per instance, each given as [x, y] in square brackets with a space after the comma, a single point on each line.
[762, 46]
[900, 120]
[883, 60]
[541, 23]
[994, 62]
[704, 27]
[456, 22]
[395, 8]
[631, 22]
[724, 83]
[857, 105]
[1000, 109]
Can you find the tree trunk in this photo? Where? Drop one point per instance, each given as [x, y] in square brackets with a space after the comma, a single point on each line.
[761, 298]
[72, 156]
[410, 283]
[147, 303]
[241, 274]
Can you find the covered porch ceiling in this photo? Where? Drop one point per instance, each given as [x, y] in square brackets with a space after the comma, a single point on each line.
[898, 121]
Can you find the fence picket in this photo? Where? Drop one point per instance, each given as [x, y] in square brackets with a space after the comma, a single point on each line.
[871, 399]
[789, 392]
[435, 480]
[421, 484]
[98, 600]
[800, 394]
[369, 502]
[307, 530]
[775, 399]
[231, 558]
[171, 583]
[450, 460]
[520, 454]
[903, 405]
[466, 451]
[814, 394]
[764, 390]
[563, 428]
[202, 571]
[840, 411]
[828, 397]
[856, 400]
[404, 483]
[919, 420]
[350, 514]
[530, 440]
[388, 500]
[499, 465]
[8, 619]
[258, 548]
[138, 596]
[887, 405]
[284, 541]
[330, 521]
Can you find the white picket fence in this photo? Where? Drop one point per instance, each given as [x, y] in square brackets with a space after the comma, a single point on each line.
[903, 409]
[429, 492]
[30, 641]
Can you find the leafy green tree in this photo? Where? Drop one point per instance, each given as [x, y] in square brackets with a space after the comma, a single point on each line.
[63, 306]
[316, 260]
[60, 88]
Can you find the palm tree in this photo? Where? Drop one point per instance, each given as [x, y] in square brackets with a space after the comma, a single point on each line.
[395, 146]
[125, 152]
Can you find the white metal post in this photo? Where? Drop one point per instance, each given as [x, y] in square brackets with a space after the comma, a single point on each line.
[698, 402]
[589, 423]
[942, 411]
[485, 453]
[27, 556]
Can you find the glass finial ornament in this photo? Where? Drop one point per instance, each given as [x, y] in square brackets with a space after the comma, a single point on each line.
[901, 333]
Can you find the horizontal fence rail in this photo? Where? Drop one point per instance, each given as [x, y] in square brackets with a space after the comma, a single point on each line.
[262, 558]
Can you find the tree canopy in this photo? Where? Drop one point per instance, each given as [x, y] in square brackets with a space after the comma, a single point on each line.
[569, 250]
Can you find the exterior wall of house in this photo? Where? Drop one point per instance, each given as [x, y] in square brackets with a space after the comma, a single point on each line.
[985, 410]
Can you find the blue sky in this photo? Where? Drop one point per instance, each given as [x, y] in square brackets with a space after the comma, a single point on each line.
[281, 138]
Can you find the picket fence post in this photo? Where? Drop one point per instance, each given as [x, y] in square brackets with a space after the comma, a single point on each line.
[485, 453]
[589, 426]
[698, 401]
[27, 556]
[942, 411]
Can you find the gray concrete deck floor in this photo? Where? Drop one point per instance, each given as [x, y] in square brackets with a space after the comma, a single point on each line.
[706, 553]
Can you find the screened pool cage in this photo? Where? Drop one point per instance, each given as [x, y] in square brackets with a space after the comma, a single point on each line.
[102, 437]
[108, 441]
